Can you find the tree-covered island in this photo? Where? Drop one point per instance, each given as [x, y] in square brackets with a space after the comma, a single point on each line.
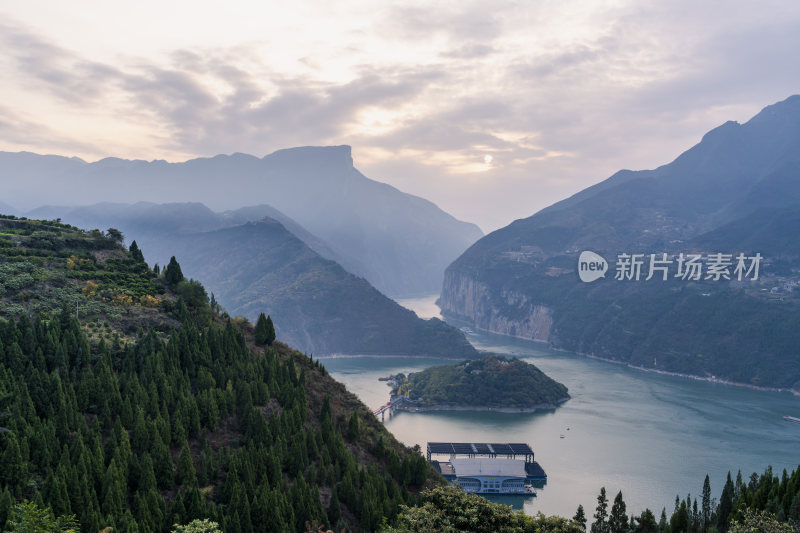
[494, 383]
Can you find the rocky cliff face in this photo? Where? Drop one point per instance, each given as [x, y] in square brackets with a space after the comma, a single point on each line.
[507, 313]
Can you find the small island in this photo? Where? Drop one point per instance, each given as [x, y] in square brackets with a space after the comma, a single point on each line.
[493, 383]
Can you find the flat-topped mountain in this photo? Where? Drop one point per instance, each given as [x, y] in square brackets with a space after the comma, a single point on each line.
[401, 243]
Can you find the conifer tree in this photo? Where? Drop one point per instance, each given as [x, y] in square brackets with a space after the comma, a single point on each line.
[725, 505]
[186, 473]
[353, 427]
[706, 505]
[270, 331]
[173, 274]
[261, 331]
[663, 526]
[618, 520]
[600, 524]
[680, 519]
[646, 522]
[580, 517]
[136, 253]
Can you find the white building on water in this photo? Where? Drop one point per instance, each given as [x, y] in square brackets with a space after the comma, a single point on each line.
[489, 476]
[488, 468]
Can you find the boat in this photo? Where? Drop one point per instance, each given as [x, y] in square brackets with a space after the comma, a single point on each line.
[792, 419]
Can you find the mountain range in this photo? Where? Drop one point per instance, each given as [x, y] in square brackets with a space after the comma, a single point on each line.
[736, 191]
[256, 259]
[399, 242]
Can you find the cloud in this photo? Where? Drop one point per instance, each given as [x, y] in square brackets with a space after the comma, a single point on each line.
[560, 95]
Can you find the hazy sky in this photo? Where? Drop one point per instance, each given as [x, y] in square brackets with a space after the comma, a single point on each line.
[491, 109]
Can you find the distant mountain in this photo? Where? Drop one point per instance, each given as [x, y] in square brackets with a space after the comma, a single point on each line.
[155, 225]
[401, 243]
[316, 305]
[254, 263]
[7, 209]
[735, 191]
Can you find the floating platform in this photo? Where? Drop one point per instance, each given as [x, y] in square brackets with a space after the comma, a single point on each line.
[488, 468]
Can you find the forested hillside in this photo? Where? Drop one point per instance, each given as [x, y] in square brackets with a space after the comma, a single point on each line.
[735, 192]
[148, 409]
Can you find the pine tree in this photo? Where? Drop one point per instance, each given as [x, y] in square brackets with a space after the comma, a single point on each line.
[725, 505]
[334, 508]
[679, 523]
[618, 520]
[5, 507]
[353, 427]
[173, 274]
[186, 473]
[11, 466]
[261, 331]
[646, 523]
[663, 526]
[580, 517]
[270, 331]
[706, 505]
[600, 524]
[136, 253]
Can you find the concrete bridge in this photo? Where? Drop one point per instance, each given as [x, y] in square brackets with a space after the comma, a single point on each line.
[390, 406]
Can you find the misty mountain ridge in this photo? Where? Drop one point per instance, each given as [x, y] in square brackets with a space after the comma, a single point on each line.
[316, 305]
[400, 242]
[154, 225]
[737, 190]
[256, 259]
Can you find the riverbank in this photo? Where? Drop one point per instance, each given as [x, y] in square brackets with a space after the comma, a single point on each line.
[709, 379]
[480, 408]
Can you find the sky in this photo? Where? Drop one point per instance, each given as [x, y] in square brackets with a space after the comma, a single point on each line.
[491, 109]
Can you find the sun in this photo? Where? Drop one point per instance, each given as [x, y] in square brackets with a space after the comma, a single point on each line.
[488, 159]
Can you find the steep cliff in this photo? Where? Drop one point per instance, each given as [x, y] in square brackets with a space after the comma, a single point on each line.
[737, 191]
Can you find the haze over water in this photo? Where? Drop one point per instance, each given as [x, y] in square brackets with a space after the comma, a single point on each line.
[652, 436]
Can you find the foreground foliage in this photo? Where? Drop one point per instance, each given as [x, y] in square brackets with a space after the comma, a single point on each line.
[448, 509]
[763, 503]
[138, 433]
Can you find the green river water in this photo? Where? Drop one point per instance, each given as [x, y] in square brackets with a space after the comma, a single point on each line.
[652, 436]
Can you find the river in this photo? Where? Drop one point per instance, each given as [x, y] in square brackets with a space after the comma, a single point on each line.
[650, 435]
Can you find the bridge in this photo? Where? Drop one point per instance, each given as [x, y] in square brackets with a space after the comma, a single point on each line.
[389, 406]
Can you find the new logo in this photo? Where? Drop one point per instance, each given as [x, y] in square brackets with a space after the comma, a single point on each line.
[591, 266]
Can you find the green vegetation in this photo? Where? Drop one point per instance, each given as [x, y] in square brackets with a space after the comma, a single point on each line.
[494, 381]
[736, 191]
[46, 266]
[166, 426]
[448, 509]
[763, 503]
[167, 417]
[265, 331]
[316, 305]
[27, 517]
